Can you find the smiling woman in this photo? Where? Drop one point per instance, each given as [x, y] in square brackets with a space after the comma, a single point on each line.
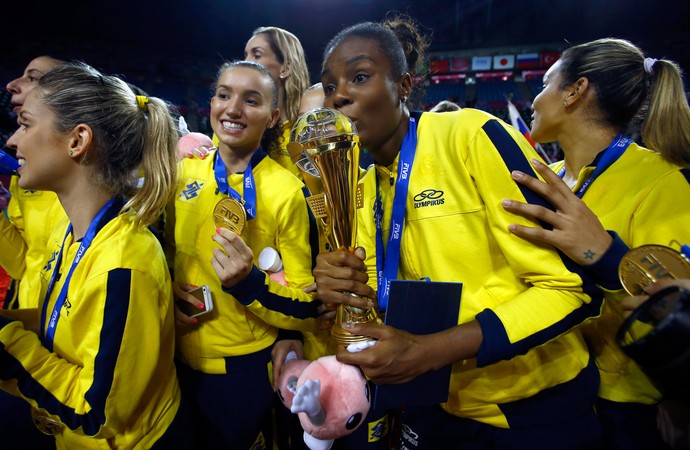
[225, 356]
[82, 135]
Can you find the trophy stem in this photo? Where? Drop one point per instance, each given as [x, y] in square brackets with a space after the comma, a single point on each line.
[351, 314]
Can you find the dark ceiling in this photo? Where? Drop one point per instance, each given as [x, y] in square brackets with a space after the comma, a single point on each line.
[218, 29]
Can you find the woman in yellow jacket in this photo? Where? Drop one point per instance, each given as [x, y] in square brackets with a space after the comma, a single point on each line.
[96, 362]
[641, 195]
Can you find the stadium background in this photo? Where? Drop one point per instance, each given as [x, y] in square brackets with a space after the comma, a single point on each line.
[482, 51]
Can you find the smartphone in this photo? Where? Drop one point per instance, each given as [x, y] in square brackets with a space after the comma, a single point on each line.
[201, 293]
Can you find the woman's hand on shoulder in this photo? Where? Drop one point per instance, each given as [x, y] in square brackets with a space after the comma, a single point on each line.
[576, 230]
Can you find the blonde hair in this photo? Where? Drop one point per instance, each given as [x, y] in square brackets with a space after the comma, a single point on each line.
[289, 51]
[667, 125]
[127, 135]
[616, 70]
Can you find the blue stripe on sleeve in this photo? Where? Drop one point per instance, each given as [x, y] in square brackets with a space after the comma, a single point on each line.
[113, 325]
[114, 321]
[496, 346]
[254, 288]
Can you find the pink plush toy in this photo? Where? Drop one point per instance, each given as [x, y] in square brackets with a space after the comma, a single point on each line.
[332, 399]
[192, 143]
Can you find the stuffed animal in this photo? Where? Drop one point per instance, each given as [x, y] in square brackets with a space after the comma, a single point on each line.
[192, 143]
[332, 399]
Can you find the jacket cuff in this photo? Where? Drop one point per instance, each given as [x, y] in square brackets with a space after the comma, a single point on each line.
[289, 334]
[249, 289]
[605, 271]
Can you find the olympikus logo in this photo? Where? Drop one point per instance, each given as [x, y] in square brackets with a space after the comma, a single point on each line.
[428, 197]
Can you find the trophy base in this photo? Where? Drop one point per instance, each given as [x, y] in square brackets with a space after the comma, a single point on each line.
[350, 314]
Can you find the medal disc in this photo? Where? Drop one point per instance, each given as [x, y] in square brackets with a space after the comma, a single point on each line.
[648, 264]
[45, 424]
[230, 214]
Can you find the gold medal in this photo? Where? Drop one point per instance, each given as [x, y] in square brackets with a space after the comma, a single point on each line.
[45, 424]
[648, 264]
[230, 214]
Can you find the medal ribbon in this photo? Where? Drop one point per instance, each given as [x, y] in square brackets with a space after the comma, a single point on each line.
[685, 251]
[249, 200]
[106, 213]
[388, 260]
[614, 151]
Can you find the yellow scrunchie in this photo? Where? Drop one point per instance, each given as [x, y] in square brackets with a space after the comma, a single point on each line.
[142, 101]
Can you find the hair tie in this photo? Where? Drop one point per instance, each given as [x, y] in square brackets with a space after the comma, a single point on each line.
[648, 64]
[142, 101]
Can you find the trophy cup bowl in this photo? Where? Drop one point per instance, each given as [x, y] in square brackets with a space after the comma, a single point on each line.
[325, 147]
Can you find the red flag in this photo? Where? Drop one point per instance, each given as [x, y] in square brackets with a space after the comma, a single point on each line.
[459, 64]
[517, 122]
[438, 66]
[548, 58]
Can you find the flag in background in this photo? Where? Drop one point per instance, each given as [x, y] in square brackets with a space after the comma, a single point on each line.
[517, 122]
[459, 64]
[438, 66]
[504, 62]
[528, 60]
[481, 63]
[548, 58]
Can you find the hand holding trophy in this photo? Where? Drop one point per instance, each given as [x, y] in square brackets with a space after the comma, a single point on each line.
[325, 147]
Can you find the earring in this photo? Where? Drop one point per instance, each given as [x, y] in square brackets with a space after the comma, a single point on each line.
[565, 104]
[71, 152]
[282, 77]
[403, 99]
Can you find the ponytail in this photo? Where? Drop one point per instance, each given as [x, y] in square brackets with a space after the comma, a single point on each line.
[666, 128]
[158, 164]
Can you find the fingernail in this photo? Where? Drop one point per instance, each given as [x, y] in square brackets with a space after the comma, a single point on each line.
[506, 202]
[218, 230]
[348, 325]
[195, 320]
[512, 227]
[536, 162]
[200, 305]
[516, 174]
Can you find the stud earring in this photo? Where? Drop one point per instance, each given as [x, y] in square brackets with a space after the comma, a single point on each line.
[565, 103]
[71, 152]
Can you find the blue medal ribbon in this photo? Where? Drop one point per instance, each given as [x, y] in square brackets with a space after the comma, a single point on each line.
[388, 260]
[104, 215]
[614, 151]
[685, 251]
[8, 165]
[249, 200]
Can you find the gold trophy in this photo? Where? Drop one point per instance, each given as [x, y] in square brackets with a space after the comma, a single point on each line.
[325, 147]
